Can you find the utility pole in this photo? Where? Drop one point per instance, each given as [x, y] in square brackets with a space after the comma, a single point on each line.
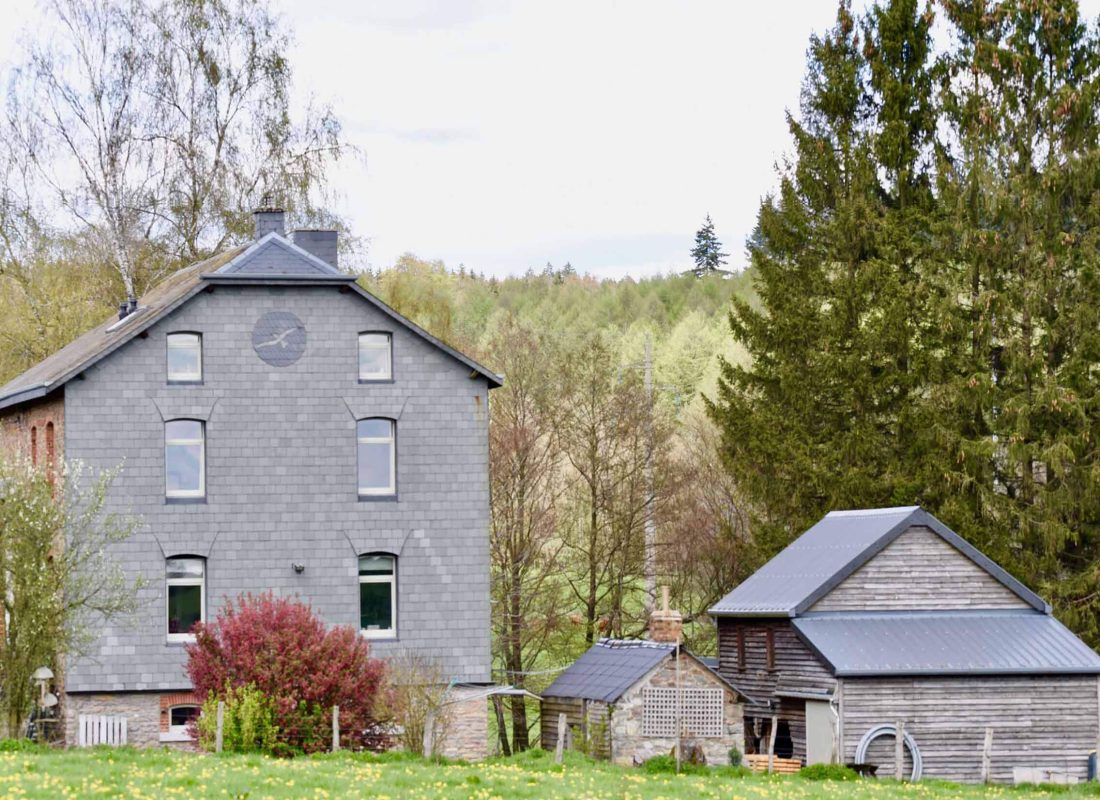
[650, 524]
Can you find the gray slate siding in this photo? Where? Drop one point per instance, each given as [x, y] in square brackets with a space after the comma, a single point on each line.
[919, 570]
[281, 479]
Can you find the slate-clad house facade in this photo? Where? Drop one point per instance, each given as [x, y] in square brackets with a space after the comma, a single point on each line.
[886, 615]
[279, 429]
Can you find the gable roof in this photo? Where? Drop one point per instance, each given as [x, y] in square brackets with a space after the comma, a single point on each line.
[839, 544]
[611, 666]
[271, 260]
[945, 643]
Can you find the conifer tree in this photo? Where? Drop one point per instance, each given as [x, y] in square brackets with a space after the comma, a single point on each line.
[707, 252]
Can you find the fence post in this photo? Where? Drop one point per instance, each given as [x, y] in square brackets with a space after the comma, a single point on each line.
[899, 750]
[560, 747]
[771, 745]
[335, 728]
[429, 733]
[987, 756]
[221, 725]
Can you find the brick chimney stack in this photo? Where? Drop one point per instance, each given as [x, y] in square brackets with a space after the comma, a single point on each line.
[666, 626]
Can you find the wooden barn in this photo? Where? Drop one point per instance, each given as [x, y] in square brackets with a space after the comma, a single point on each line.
[622, 699]
[883, 616]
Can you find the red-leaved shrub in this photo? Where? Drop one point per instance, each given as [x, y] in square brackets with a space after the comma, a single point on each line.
[281, 647]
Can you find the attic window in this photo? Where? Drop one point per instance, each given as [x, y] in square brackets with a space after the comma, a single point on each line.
[184, 357]
[700, 711]
[375, 357]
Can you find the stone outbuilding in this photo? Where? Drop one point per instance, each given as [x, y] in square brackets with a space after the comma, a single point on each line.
[623, 698]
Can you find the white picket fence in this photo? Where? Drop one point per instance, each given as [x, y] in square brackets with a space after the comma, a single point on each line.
[99, 729]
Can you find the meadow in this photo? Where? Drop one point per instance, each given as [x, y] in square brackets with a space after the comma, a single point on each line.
[128, 773]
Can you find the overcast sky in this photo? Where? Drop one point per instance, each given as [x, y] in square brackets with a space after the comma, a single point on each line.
[502, 135]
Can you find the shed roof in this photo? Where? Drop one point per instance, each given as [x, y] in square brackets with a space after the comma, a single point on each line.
[611, 666]
[270, 260]
[839, 544]
[945, 643]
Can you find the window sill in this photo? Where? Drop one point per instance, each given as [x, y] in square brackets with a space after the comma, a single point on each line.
[185, 501]
[378, 498]
[180, 640]
[375, 380]
[373, 636]
[172, 736]
[171, 382]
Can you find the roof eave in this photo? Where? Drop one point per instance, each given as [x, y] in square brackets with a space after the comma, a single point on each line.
[962, 672]
[276, 278]
[786, 613]
[26, 395]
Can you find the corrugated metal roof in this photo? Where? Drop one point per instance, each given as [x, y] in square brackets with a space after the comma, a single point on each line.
[841, 542]
[811, 560]
[609, 668]
[946, 643]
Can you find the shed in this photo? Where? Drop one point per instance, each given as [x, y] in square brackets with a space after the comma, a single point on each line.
[620, 702]
[879, 616]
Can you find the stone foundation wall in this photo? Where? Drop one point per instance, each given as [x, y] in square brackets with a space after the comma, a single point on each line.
[467, 734]
[630, 746]
[141, 709]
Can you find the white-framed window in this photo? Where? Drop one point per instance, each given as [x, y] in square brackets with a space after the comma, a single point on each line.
[184, 458]
[184, 357]
[378, 595]
[179, 718]
[377, 455]
[185, 579]
[375, 357]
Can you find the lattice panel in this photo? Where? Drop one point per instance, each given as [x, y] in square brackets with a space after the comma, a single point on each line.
[700, 712]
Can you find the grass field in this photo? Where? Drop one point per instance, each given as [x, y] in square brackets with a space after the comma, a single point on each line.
[160, 774]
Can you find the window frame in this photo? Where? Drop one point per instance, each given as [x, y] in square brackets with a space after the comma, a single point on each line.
[388, 378]
[169, 583]
[369, 493]
[192, 379]
[391, 579]
[186, 494]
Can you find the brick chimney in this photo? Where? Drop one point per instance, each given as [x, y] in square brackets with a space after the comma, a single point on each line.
[666, 626]
[269, 218]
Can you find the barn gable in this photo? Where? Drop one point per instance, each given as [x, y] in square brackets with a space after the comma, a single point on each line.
[919, 570]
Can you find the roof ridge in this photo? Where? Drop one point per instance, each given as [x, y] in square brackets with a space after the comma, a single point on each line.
[873, 512]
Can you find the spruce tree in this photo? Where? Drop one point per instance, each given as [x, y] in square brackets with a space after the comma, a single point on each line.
[707, 252]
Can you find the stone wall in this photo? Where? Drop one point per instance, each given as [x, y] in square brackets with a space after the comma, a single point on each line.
[141, 709]
[630, 746]
[467, 726]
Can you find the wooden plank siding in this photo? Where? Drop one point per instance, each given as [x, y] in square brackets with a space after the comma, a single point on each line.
[918, 570]
[796, 668]
[1038, 721]
[575, 710]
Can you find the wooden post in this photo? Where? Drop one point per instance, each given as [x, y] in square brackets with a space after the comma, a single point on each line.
[987, 756]
[428, 744]
[899, 750]
[771, 744]
[560, 747]
[221, 726]
[335, 728]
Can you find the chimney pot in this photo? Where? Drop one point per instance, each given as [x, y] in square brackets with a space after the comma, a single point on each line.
[123, 310]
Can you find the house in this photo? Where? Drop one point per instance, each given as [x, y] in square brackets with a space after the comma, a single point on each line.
[620, 700]
[883, 616]
[279, 429]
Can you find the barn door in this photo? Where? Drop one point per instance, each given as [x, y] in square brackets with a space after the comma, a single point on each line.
[820, 731]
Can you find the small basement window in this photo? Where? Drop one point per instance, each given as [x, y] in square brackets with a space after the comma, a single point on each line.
[179, 718]
[184, 358]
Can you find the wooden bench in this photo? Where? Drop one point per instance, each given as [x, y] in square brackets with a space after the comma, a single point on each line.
[781, 766]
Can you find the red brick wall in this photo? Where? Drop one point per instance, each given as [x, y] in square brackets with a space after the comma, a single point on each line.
[16, 426]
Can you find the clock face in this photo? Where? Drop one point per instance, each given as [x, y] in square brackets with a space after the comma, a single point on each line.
[279, 338]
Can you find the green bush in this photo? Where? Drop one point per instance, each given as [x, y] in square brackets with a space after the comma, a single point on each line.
[828, 772]
[735, 757]
[664, 764]
[248, 723]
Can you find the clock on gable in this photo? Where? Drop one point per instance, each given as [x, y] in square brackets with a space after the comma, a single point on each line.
[279, 338]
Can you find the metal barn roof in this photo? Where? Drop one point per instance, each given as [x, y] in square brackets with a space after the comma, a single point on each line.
[945, 643]
[841, 542]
